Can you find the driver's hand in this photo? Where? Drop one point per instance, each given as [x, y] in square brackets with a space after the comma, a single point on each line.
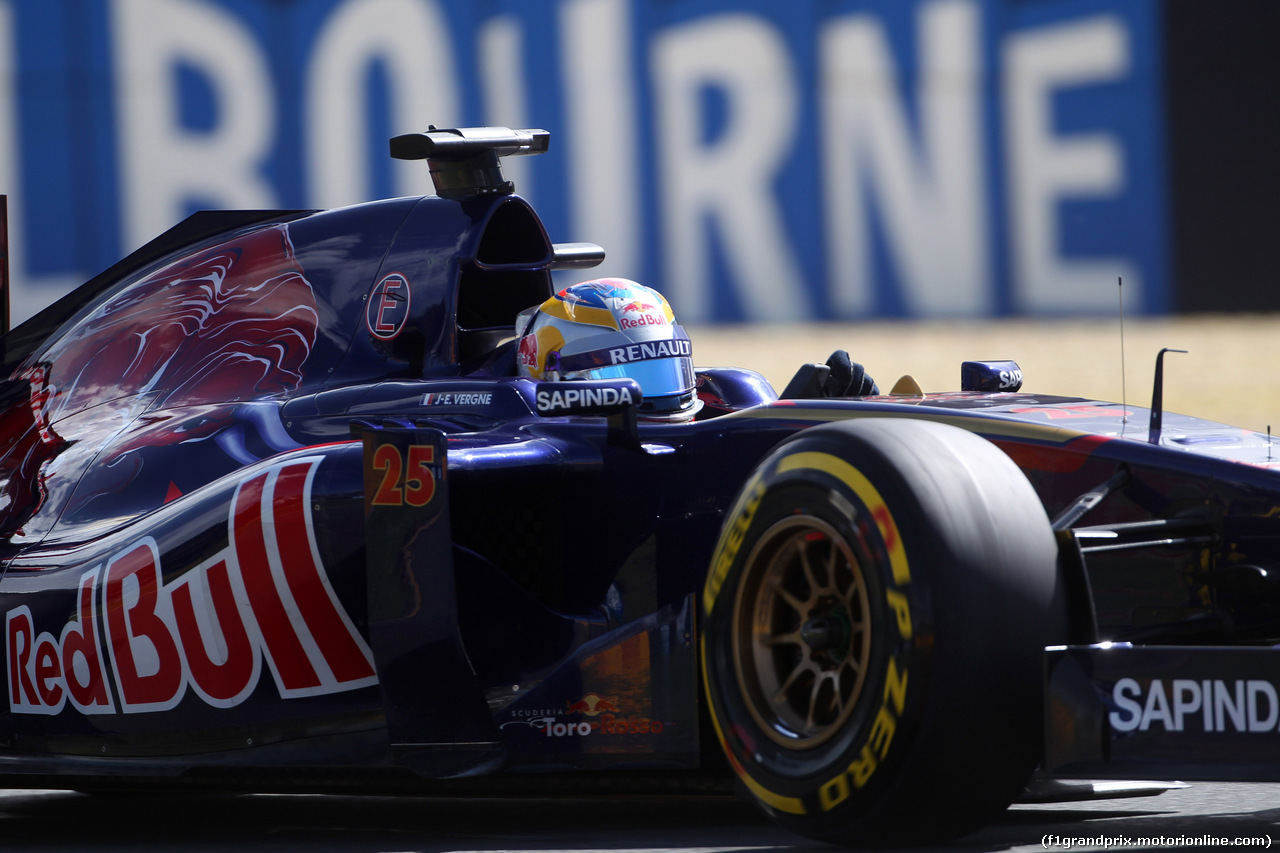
[847, 378]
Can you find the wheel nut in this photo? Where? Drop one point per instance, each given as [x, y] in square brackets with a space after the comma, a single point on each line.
[816, 633]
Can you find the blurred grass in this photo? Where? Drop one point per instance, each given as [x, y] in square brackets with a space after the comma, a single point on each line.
[1227, 375]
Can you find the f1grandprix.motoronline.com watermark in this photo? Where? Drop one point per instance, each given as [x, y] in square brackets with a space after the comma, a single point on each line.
[1106, 842]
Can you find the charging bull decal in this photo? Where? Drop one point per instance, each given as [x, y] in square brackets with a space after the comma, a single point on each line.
[138, 644]
[234, 322]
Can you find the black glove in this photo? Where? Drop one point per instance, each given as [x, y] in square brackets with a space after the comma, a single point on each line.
[839, 377]
[847, 378]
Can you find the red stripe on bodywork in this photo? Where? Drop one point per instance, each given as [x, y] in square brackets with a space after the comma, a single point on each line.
[283, 647]
[1054, 459]
[302, 570]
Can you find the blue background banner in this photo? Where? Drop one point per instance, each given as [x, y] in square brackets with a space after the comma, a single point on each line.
[756, 161]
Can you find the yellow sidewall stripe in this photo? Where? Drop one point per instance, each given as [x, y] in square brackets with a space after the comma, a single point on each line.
[790, 805]
[867, 493]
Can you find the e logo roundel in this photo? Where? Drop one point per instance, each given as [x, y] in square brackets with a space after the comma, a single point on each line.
[387, 309]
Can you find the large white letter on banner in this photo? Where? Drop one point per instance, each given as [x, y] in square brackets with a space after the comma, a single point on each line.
[600, 114]
[930, 192]
[412, 38]
[10, 166]
[1045, 169]
[726, 184]
[167, 166]
[500, 44]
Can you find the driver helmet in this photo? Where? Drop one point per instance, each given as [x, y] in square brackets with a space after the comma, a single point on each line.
[612, 328]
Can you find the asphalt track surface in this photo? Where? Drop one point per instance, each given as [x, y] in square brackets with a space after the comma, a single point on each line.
[60, 821]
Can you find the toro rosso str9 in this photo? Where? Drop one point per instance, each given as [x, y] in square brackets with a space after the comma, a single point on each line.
[282, 508]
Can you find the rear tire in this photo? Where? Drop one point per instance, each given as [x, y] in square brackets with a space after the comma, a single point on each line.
[877, 609]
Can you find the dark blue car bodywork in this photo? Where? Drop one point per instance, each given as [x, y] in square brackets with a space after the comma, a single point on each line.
[552, 525]
[275, 501]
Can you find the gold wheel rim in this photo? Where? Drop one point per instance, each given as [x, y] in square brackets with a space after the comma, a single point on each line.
[802, 632]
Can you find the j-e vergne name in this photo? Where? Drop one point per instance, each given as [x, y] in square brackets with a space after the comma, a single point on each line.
[563, 397]
[458, 398]
[1187, 704]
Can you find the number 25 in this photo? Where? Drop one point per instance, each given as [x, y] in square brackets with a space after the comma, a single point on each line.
[419, 481]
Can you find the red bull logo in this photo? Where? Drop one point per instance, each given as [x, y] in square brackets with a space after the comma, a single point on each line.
[592, 705]
[637, 314]
[649, 319]
[527, 353]
[263, 601]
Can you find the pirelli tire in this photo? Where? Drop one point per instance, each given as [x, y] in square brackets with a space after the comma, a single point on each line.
[876, 611]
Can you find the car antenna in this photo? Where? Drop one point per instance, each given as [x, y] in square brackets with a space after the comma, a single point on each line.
[1124, 391]
[1157, 397]
[4, 265]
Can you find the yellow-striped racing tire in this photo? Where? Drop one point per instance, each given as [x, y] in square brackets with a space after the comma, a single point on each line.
[876, 612]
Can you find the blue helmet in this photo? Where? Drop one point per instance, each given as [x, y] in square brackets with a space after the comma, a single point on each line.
[612, 328]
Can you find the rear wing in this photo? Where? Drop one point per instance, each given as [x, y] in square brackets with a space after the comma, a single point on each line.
[464, 161]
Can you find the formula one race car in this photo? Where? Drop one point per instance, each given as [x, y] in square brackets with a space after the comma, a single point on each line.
[301, 500]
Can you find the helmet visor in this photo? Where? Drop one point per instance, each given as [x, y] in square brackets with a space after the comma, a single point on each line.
[658, 377]
[663, 366]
